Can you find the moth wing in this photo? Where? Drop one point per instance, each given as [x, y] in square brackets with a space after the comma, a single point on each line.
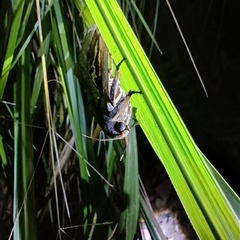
[83, 67]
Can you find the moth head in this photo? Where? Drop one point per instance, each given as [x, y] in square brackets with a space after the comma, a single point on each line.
[121, 127]
[115, 129]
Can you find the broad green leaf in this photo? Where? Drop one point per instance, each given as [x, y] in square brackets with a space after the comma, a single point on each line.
[198, 191]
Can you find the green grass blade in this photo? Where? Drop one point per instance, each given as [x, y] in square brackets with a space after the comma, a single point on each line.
[231, 198]
[70, 83]
[24, 199]
[150, 220]
[13, 37]
[71, 90]
[131, 185]
[2, 152]
[146, 26]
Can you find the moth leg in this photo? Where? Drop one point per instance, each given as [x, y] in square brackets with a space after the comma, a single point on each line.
[110, 70]
[110, 65]
[130, 93]
[115, 91]
[117, 68]
[119, 64]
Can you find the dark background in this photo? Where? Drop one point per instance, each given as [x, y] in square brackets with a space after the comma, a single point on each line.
[211, 29]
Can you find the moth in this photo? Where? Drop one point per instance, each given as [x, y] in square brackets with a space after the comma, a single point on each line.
[108, 103]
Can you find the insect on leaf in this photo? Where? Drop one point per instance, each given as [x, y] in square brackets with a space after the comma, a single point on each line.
[108, 103]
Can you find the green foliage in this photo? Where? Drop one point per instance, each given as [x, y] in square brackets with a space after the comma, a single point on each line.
[45, 109]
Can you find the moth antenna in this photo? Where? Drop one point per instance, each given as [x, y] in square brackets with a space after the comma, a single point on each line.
[101, 140]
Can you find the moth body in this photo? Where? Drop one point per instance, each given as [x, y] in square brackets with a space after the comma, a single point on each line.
[108, 103]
